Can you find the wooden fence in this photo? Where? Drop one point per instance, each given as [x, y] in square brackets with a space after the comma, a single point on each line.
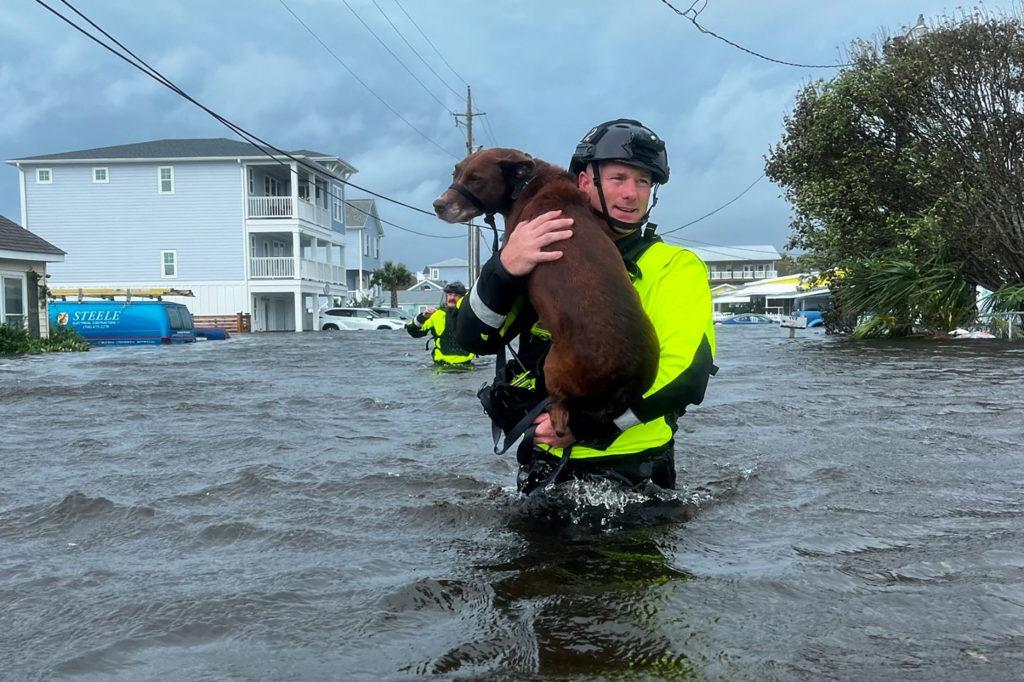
[237, 323]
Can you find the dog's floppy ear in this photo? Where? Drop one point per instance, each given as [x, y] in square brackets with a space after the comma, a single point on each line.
[518, 169]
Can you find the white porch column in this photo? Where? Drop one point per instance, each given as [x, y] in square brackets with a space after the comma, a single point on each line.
[297, 253]
[300, 311]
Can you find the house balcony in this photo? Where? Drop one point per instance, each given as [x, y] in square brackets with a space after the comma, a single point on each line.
[284, 267]
[322, 272]
[720, 275]
[279, 208]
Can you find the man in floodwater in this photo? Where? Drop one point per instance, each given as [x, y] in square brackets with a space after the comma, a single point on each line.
[441, 324]
[619, 166]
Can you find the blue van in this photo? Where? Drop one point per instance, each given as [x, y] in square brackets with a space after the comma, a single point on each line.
[119, 323]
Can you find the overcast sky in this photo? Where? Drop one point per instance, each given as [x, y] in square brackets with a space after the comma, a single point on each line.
[543, 71]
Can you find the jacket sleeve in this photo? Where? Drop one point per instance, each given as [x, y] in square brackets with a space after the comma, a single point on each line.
[416, 327]
[487, 306]
[680, 310]
[679, 307]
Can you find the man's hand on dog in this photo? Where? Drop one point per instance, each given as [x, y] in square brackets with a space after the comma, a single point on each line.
[525, 247]
[546, 435]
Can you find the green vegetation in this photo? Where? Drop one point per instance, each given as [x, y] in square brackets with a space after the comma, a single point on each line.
[16, 341]
[393, 276]
[905, 174]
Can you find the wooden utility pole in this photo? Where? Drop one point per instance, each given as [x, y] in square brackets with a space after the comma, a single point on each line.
[473, 232]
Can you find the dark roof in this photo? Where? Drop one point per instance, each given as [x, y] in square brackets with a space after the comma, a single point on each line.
[14, 237]
[311, 154]
[356, 210]
[169, 149]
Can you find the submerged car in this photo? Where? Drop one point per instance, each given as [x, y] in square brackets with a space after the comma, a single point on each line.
[749, 318]
[336, 319]
[396, 313]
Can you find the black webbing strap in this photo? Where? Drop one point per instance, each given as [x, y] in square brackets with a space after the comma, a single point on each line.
[557, 476]
[524, 427]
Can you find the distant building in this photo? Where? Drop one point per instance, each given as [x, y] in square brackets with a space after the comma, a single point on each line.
[426, 293]
[777, 296]
[363, 232]
[244, 232]
[23, 260]
[448, 270]
[739, 264]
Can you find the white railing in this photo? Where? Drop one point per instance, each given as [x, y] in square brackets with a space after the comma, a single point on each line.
[322, 272]
[280, 267]
[314, 214]
[270, 207]
[742, 274]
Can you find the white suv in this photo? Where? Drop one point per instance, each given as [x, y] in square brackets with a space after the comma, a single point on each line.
[334, 319]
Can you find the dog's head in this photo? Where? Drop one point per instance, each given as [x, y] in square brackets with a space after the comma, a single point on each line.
[490, 177]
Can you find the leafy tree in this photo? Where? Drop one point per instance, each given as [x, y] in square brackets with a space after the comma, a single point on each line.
[916, 149]
[791, 265]
[393, 276]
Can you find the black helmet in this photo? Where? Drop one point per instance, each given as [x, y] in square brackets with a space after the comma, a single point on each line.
[455, 288]
[626, 141]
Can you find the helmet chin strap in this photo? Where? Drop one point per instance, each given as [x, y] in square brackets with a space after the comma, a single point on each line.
[620, 227]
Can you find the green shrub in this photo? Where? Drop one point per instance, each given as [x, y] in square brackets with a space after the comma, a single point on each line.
[14, 340]
[64, 339]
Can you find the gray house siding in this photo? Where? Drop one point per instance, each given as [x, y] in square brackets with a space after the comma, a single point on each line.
[116, 231]
[453, 274]
[337, 204]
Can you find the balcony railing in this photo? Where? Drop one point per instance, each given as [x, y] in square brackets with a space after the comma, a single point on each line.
[742, 274]
[322, 272]
[270, 207]
[278, 267]
[314, 214]
[283, 267]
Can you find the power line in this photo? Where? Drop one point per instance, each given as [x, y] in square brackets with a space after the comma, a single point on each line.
[414, 51]
[490, 133]
[487, 124]
[711, 213]
[429, 42]
[692, 18]
[251, 138]
[397, 59]
[363, 83]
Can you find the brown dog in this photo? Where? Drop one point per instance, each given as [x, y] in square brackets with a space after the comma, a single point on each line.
[604, 351]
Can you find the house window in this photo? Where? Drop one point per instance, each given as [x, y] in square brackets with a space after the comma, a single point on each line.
[252, 183]
[435, 273]
[376, 247]
[101, 175]
[168, 264]
[166, 179]
[366, 242]
[12, 305]
[44, 176]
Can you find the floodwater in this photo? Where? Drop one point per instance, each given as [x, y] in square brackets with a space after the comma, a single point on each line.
[325, 507]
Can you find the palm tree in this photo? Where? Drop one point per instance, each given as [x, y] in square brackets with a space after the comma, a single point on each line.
[392, 276]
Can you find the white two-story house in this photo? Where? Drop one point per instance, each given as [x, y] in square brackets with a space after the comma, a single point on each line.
[363, 232]
[739, 264]
[244, 232]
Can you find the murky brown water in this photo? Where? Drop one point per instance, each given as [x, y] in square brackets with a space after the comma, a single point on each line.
[324, 506]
